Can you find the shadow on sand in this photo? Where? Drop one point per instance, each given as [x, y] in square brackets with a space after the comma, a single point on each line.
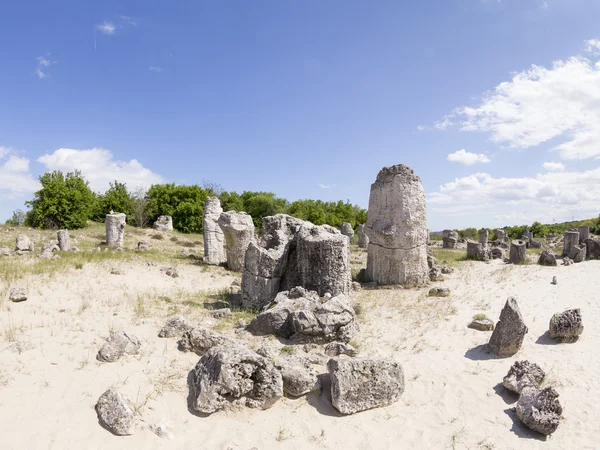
[521, 430]
[481, 353]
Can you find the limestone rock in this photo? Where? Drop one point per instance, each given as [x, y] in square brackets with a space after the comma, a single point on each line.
[518, 252]
[358, 384]
[578, 253]
[232, 372]
[571, 239]
[64, 240]
[115, 229]
[584, 233]
[476, 251]
[435, 274]
[501, 235]
[523, 374]
[5, 251]
[363, 239]
[340, 348]
[547, 258]
[200, 340]
[449, 239]
[299, 375]
[554, 280]
[214, 239]
[397, 229]
[539, 410]
[116, 413]
[592, 248]
[481, 325]
[483, 236]
[174, 326]
[509, 333]
[221, 313]
[347, 230]
[17, 294]
[163, 223]
[566, 326]
[439, 292]
[497, 253]
[117, 345]
[238, 230]
[24, 244]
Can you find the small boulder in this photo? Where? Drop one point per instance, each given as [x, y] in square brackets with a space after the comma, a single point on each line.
[554, 280]
[523, 374]
[117, 345]
[539, 409]
[567, 261]
[340, 348]
[299, 374]
[199, 340]
[116, 413]
[577, 253]
[174, 326]
[566, 326]
[142, 245]
[221, 313]
[24, 244]
[17, 294]
[163, 223]
[439, 292]
[547, 258]
[358, 384]
[481, 324]
[510, 331]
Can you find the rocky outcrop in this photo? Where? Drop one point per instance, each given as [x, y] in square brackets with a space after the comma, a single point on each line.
[163, 223]
[518, 252]
[510, 331]
[449, 239]
[300, 375]
[229, 373]
[363, 239]
[347, 230]
[24, 244]
[547, 258]
[397, 229]
[578, 253]
[523, 374]
[238, 230]
[117, 345]
[484, 235]
[501, 235]
[200, 340]
[214, 239]
[539, 410]
[358, 384]
[115, 229]
[592, 248]
[174, 326]
[476, 251]
[116, 413]
[571, 239]
[64, 240]
[301, 315]
[566, 326]
[584, 233]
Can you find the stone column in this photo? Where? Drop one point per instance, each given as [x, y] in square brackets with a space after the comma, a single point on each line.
[214, 239]
[500, 235]
[238, 230]
[64, 241]
[571, 239]
[476, 251]
[449, 239]
[518, 252]
[347, 230]
[483, 236]
[363, 239]
[115, 229]
[584, 233]
[397, 228]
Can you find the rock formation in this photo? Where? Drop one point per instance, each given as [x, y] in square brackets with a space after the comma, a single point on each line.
[584, 233]
[17, 294]
[24, 244]
[523, 374]
[64, 241]
[116, 413]
[592, 248]
[163, 223]
[363, 239]
[476, 251]
[449, 239]
[547, 258]
[483, 236]
[117, 345]
[115, 229]
[214, 239]
[566, 326]
[238, 230]
[578, 253]
[501, 235]
[397, 228]
[174, 326]
[539, 410]
[347, 230]
[571, 239]
[510, 331]
[518, 252]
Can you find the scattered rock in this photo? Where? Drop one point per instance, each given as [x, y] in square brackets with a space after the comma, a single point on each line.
[299, 375]
[566, 326]
[547, 258]
[142, 245]
[340, 348]
[232, 372]
[481, 325]
[567, 261]
[571, 239]
[439, 292]
[199, 340]
[358, 384]
[64, 240]
[221, 313]
[476, 251]
[523, 374]
[174, 326]
[554, 280]
[510, 331]
[539, 410]
[117, 345]
[163, 223]
[363, 239]
[578, 253]
[449, 239]
[116, 413]
[17, 294]
[24, 244]
[347, 230]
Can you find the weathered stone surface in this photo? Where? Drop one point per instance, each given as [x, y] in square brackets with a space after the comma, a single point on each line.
[358, 384]
[116, 413]
[484, 235]
[435, 274]
[578, 253]
[170, 272]
[439, 292]
[231, 372]
[17, 294]
[518, 252]
[534, 244]
[347, 230]
[592, 248]
[547, 258]
[117, 345]
[115, 229]
[340, 348]
[501, 235]
[174, 326]
[397, 228]
[567, 261]
[24, 244]
[143, 246]
[584, 233]
[221, 313]
[539, 410]
[571, 239]
[163, 223]
[301, 314]
[200, 340]
[497, 253]
[319, 260]
[566, 326]
[238, 230]
[64, 240]
[214, 239]
[449, 239]
[5, 251]
[481, 325]
[363, 239]
[523, 374]
[510, 331]
[476, 251]
[554, 280]
[299, 375]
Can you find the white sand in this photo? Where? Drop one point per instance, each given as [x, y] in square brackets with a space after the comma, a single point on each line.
[452, 398]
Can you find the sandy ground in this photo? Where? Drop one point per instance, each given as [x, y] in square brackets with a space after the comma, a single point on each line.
[452, 399]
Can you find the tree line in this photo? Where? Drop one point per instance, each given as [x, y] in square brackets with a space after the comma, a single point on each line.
[66, 201]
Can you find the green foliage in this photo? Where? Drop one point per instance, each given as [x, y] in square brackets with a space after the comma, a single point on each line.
[262, 204]
[468, 233]
[331, 213]
[116, 199]
[185, 204]
[62, 202]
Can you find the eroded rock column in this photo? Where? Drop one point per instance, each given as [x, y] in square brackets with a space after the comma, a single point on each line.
[238, 230]
[363, 239]
[214, 239]
[115, 229]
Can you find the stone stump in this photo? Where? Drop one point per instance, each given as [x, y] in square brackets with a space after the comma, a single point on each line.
[475, 251]
[238, 230]
[397, 228]
[592, 248]
[363, 239]
[115, 229]
[584, 233]
[449, 239]
[347, 230]
[23, 243]
[571, 240]
[64, 241]
[501, 235]
[163, 223]
[214, 239]
[518, 252]
[483, 236]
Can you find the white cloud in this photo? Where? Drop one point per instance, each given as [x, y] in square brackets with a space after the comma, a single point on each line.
[15, 179]
[42, 65]
[326, 186]
[155, 69]
[540, 104]
[100, 168]
[592, 45]
[107, 28]
[468, 159]
[554, 166]
[43, 62]
[129, 20]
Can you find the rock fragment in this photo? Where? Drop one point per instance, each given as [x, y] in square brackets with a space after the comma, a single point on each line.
[509, 333]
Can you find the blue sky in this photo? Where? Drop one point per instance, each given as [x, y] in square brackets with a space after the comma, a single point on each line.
[310, 99]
